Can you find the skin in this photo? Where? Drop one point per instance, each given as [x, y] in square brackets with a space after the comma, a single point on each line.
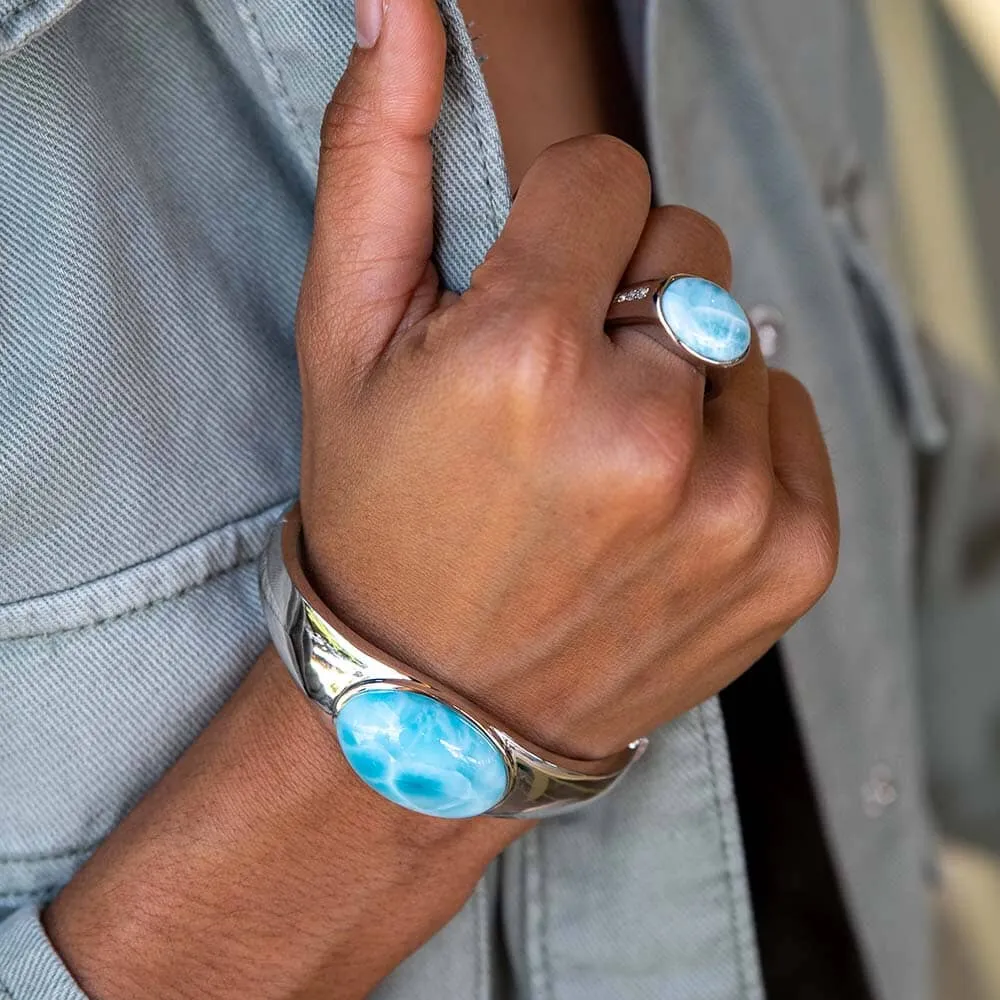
[577, 540]
[554, 71]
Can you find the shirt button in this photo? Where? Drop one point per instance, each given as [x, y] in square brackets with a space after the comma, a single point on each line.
[879, 791]
[769, 323]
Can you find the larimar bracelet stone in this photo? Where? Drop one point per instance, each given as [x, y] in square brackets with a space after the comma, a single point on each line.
[409, 738]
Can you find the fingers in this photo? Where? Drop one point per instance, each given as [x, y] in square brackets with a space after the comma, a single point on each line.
[737, 418]
[675, 240]
[806, 541]
[679, 240]
[733, 475]
[798, 452]
[573, 227]
[374, 214]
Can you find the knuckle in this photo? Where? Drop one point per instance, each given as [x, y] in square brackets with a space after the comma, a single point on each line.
[808, 563]
[654, 461]
[784, 385]
[542, 362]
[349, 114]
[695, 220]
[600, 162]
[704, 238]
[530, 357]
[739, 509]
[617, 156]
[648, 481]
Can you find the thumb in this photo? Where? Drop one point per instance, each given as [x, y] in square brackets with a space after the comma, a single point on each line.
[373, 229]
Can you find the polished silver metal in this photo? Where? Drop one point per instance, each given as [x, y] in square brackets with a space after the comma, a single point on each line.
[641, 305]
[331, 663]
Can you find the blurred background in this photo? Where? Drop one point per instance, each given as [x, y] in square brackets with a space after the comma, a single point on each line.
[941, 62]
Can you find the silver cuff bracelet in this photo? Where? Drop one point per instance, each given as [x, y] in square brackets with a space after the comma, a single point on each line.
[408, 737]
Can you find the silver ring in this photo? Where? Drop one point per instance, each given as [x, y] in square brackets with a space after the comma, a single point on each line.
[692, 317]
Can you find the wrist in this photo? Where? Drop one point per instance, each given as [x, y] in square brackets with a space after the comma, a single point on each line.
[414, 739]
[261, 842]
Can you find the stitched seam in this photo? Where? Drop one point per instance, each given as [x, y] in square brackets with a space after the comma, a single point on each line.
[727, 852]
[476, 934]
[543, 920]
[481, 142]
[533, 942]
[183, 592]
[59, 856]
[479, 930]
[184, 544]
[7, 21]
[490, 189]
[273, 75]
[18, 9]
[478, 121]
[11, 901]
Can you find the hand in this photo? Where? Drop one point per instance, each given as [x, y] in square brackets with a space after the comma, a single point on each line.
[551, 520]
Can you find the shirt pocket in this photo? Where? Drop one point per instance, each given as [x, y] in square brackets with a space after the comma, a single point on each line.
[105, 684]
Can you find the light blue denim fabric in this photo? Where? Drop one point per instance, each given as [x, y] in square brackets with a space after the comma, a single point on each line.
[157, 163]
[157, 172]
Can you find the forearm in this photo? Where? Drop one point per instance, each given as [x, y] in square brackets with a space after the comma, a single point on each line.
[260, 865]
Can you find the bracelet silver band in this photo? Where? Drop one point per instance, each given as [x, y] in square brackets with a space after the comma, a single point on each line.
[332, 665]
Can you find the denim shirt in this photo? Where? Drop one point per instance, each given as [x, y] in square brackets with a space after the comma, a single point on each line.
[157, 167]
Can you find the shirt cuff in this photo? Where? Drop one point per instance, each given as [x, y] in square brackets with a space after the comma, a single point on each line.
[30, 968]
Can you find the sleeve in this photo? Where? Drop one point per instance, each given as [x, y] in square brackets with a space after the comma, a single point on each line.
[959, 601]
[30, 968]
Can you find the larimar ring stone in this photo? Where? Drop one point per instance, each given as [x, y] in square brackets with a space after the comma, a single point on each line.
[701, 321]
[705, 319]
[421, 753]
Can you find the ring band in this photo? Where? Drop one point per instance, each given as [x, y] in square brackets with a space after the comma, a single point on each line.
[692, 317]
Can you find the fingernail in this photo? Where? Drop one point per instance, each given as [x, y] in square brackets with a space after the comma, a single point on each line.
[368, 21]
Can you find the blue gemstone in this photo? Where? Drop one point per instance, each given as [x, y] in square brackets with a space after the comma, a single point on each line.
[421, 754]
[706, 319]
